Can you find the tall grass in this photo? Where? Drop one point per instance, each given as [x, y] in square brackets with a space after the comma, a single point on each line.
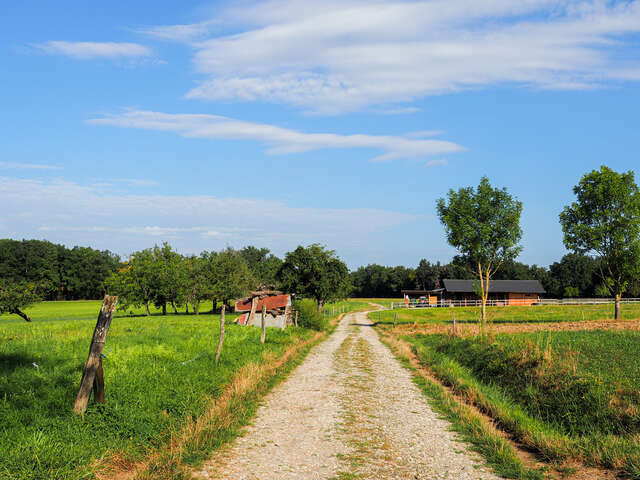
[547, 391]
[160, 373]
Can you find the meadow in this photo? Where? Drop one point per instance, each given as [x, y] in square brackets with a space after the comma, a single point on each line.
[510, 314]
[569, 396]
[160, 377]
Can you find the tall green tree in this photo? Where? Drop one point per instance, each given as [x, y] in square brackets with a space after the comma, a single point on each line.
[604, 221]
[134, 282]
[483, 224]
[15, 297]
[231, 278]
[262, 264]
[315, 272]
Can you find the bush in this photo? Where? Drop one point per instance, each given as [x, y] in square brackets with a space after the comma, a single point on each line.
[308, 315]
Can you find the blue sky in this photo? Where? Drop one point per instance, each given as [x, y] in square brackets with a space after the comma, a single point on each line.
[280, 123]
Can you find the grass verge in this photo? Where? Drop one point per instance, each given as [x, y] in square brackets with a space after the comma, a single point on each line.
[514, 390]
[471, 425]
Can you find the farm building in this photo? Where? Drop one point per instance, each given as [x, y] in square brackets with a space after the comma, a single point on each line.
[507, 292]
[501, 292]
[276, 304]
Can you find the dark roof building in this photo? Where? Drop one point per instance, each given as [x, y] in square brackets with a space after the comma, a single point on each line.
[495, 286]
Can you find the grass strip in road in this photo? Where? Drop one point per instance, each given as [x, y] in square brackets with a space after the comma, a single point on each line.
[472, 426]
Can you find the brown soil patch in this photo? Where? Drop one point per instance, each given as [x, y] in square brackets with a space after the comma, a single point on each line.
[470, 329]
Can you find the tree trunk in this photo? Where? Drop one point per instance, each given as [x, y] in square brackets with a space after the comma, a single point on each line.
[214, 304]
[146, 307]
[164, 308]
[617, 310]
[173, 305]
[196, 308]
[186, 307]
[20, 313]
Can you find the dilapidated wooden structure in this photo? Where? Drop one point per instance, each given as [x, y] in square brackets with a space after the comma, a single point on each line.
[277, 307]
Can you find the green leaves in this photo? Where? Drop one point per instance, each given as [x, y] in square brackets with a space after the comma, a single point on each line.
[483, 224]
[605, 221]
[315, 272]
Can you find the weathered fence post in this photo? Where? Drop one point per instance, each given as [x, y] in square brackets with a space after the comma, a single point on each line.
[264, 324]
[395, 320]
[92, 374]
[296, 318]
[454, 324]
[221, 339]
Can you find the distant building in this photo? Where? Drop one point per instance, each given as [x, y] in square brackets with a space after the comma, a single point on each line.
[511, 292]
[501, 292]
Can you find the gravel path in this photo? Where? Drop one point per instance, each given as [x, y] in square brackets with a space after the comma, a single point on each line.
[350, 410]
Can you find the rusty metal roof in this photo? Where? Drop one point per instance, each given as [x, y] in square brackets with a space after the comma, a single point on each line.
[271, 302]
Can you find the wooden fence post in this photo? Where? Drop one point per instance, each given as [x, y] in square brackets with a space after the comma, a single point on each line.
[395, 320]
[92, 374]
[264, 324]
[221, 339]
[296, 318]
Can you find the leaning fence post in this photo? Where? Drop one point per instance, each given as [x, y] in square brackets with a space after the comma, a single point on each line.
[264, 324]
[221, 339]
[92, 374]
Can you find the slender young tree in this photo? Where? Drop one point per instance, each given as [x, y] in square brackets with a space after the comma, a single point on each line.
[484, 226]
[604, 221]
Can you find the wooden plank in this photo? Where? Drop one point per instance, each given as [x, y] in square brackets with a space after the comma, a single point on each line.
[252, 313]
[221, 339]
[98, 384]
[94, 360]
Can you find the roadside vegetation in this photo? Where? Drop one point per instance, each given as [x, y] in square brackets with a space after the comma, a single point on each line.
[570, 396]
[161, 381]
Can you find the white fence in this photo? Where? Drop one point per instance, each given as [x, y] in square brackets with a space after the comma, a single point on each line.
[513, 302]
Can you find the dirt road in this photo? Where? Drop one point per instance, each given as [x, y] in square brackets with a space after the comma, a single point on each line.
[349, 410]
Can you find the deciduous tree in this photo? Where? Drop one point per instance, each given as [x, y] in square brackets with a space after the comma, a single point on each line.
[605, 221]
[15, 297]
[483, 224]
[315, 272]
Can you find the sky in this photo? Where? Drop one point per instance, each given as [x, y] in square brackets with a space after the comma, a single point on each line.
[279, 123]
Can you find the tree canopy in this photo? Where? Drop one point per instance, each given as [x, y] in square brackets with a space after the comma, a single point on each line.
[604, 221]
[483, 224]
[315, 272]
[15, 297]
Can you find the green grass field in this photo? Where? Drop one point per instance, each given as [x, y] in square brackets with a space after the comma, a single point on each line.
[568, 395]
[511, 314]
[159, 373]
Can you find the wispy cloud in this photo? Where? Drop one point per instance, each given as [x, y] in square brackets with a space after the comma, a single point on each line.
[92, 50]
[439, 162]
[276, 139]
[336, 56]
[72, 213]
[27, 166]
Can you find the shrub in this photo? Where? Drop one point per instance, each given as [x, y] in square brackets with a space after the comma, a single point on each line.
[308, 315]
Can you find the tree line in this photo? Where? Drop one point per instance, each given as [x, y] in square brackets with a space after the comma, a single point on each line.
[575, 275]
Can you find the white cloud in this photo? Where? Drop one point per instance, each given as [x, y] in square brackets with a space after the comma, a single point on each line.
[336, 56]
[27, 166]
[278, 140]
[71, 213]
[440, 162]
[91, 50]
